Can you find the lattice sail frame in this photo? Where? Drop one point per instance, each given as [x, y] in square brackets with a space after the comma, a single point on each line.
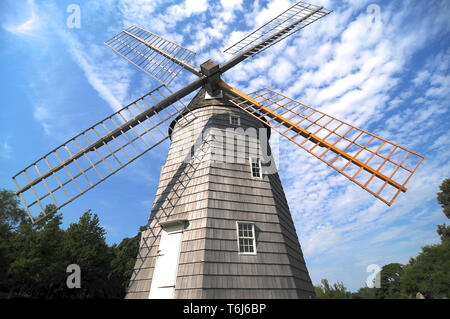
[150, 53]
[380, 167]
[84, 161]
[297, 17]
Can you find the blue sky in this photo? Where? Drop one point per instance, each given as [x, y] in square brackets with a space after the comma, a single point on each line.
[382, 66]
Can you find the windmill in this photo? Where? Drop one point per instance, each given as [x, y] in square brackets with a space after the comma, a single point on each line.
[218, 228]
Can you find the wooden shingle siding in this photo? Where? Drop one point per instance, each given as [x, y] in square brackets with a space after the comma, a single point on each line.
[212, 196]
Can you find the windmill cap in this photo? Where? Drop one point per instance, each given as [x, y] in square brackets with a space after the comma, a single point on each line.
[200, 101]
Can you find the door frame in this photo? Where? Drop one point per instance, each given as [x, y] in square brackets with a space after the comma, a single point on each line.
[179, 226]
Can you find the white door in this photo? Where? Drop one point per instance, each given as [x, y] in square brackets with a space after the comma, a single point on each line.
[165, 273]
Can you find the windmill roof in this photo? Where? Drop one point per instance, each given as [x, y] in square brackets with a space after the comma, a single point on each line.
[200, 101]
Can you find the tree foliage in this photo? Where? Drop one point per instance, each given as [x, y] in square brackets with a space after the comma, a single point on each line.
[443, 198]
[365, 293]
[429, 272]
[85, 246]
[11, 216]
[34, 258]
[336, 291]
[390, 281]
[38, 268]
[122, 264]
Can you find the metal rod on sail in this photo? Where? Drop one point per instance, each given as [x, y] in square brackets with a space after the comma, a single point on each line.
[246, 54]
[171, 57]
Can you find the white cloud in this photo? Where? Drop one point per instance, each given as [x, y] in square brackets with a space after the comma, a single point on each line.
[110, 77]
[137, 11]
[281, 71]
[43, 115]
[188, 8]
[231, 4]
[227, 13]
[323, 238]
[6, 149]
[262, 15]
[28, 27]
[421, 77]
[441, 142]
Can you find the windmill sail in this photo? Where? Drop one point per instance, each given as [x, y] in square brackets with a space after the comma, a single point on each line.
[381, 167]
[292, 20]
[160, 58]
[98, 152]
[297, 17]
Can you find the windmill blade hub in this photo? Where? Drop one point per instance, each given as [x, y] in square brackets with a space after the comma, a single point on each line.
[211, 70]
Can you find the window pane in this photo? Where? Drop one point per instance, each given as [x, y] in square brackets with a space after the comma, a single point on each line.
[234, 120]
[256, 167]
[246, 238]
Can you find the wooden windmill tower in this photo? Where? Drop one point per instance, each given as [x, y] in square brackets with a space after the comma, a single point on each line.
[220, 226]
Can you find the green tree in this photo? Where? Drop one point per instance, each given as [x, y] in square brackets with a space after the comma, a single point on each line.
[34, 258]
[38, 269]
[365, 293]
[390, 281]
[122, 264]
[337, 291]
[443, 198]
[429, 272]
[443, 231]
[85, 246]
[11, 216]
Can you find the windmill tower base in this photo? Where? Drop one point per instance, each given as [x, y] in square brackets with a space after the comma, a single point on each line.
[193, 247]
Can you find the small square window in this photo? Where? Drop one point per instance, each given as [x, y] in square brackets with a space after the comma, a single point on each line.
[255, 164]
[235, 120]
[246, 238]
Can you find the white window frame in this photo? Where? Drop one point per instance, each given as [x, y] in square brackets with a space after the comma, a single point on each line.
[253, 238]
[259, 165]
[233, 116]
